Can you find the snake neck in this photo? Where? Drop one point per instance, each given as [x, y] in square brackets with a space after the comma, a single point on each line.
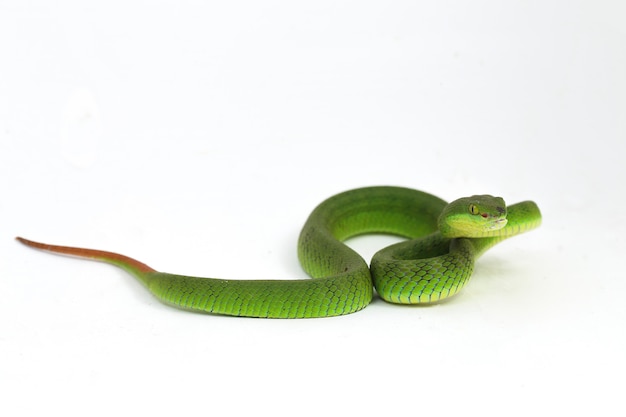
[444, 227]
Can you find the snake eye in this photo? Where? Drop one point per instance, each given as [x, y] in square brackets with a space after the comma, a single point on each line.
[473, 209]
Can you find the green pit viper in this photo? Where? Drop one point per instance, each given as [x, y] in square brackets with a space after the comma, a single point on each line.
[434, 263]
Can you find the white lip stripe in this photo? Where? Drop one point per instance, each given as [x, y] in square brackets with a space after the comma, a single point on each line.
[498, 224]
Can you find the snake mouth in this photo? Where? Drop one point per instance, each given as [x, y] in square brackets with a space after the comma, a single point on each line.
[498, 224]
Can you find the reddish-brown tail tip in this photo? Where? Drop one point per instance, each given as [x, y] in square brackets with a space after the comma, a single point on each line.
[109, 257]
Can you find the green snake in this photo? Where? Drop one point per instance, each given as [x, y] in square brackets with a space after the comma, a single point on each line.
[434, 263]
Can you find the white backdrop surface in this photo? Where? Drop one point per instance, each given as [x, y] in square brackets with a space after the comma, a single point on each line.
[197, 137]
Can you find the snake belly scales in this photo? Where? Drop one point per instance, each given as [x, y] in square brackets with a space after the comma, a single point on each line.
[435, 263]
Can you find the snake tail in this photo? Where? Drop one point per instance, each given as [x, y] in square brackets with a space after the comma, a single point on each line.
[132, 266]
[323, 297]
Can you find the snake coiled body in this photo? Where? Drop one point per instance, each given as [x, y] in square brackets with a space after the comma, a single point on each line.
[434, 264]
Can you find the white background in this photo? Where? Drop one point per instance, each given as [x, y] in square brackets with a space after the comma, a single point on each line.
[197, 136]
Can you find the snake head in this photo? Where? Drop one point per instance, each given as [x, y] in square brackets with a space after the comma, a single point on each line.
[474, 216]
